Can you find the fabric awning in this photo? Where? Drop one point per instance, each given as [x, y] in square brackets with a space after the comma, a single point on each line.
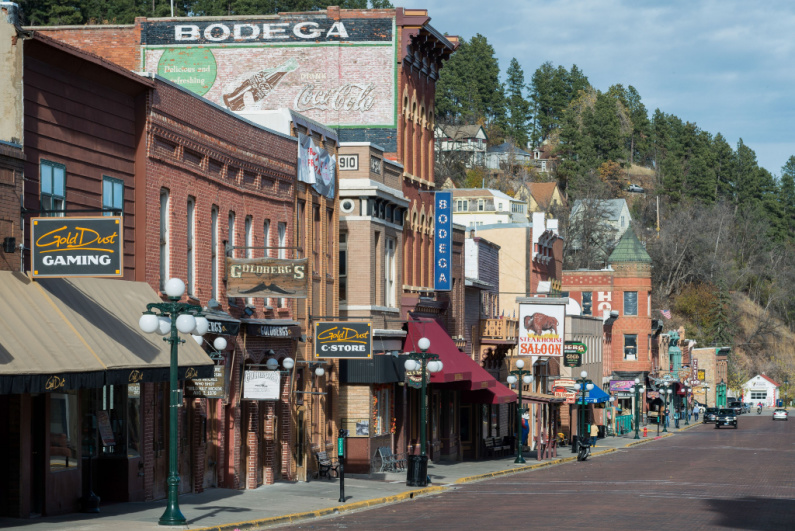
[541, 398]
[457, 365]
[499, 394]
[83, 333]
[594, 396]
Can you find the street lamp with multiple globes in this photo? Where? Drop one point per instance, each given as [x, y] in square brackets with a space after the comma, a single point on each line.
[687, 391]
[583, 384]
[170, 318]
[668, 398]
[706, 396]
[527, 378]
[638, 388]
[417, 475]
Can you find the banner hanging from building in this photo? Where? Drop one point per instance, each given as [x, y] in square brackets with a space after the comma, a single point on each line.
[316, 166]
[76, 247]
[442, 242]
[343, 340]
[541, 329]
[266, 277]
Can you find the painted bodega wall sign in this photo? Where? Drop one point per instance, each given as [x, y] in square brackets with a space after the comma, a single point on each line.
[76, 247]
[338, 72]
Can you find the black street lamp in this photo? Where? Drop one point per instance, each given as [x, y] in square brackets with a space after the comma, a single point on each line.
[525, 377]
[668, 398]
[638, 388]
[687, 390]
[417, 475]
[706, 396]
[583, 384]
[170, 318]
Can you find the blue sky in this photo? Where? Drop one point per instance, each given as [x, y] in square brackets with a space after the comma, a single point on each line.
[727, 65]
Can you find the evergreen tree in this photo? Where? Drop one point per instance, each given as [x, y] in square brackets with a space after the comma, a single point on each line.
[518, 106]
[787, 196]
[745, 176]
[602, 126]
[722, 160]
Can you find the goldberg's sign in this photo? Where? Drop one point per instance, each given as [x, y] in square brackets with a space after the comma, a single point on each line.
[283, 331]
[343, 340]
[266, 277]
[442, 245]
[541, 329]
[261, 385]
[76, 247]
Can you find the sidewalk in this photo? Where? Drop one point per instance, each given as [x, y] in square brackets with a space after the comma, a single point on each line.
[227, 510]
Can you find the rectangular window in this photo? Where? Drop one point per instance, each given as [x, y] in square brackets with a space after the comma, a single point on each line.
[112, 196]
[53, 188]
[164, 237]
[214, 253]
[282, 229]
[381, 411]
[64, 431]
[230, 234]
[249, 221]
[316, 239]
[330, 241]
[758, 395]
[587, 302]
[630, 346]
[191, 279]
[299, 230]
[390, 272]
[481, 205]
[266, 234]
[630, 303]
[343, 267]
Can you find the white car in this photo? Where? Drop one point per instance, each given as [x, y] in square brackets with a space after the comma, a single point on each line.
[780, 414]
[635, 188]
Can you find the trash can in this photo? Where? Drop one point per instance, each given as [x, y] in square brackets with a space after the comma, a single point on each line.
[417, 471]
[779, 403]
[574, 439]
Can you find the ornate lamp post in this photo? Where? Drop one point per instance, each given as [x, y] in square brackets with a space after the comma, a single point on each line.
[706, 396]
[583, 384]
[526, 377]
[417, 475]
[638, 388]
[668, 398]
[173, 317]
[687, 391]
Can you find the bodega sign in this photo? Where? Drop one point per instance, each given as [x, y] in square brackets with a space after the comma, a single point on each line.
[343, 340]
[76, 247]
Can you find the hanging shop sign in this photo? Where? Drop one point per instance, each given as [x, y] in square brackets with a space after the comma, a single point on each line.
[266, 277]
[414, 378]
[261, 385]
[702, 375]
[541, 329]
[621, 385]
[442, 244]
[273, 329]
[208, 387]
[76, 247]
[343, 340]
[573, 353]
[222, 326]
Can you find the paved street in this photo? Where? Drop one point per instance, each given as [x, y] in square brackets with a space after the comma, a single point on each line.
[702, 478]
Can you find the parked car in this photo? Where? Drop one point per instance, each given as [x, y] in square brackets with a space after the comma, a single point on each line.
[736, 405]
[710, 414]
[780, 414]
[726, 417]
[635, 188]
[746, 407]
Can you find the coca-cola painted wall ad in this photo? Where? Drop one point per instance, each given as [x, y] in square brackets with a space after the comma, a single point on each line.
[341, 73]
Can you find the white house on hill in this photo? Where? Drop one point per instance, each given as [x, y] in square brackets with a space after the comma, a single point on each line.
[761, 388]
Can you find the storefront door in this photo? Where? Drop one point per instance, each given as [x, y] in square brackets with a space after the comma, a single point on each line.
[38, 464]
[468, 431]
[211, 432]
[160, 441]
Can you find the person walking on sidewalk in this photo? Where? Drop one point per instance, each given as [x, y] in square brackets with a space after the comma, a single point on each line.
[677, 414]
[594, 434]
[695, 411]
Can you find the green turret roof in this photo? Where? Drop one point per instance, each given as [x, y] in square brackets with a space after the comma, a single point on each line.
[629, 249]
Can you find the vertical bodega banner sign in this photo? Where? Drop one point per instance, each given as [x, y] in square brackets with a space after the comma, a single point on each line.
[443, 253]
[76, 247]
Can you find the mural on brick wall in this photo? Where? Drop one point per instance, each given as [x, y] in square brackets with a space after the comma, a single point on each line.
[338, 72]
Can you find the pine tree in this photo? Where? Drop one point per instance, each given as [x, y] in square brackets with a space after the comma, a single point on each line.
[787, 196]
[518, 107]
[603, 127]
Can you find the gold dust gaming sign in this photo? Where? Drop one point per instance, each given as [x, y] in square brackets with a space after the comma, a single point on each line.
[76, 247]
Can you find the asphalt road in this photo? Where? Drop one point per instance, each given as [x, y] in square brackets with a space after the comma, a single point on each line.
[702, 478]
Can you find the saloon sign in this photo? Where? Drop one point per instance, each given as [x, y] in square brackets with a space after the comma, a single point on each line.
[541, 328]
[76, 247]
[266, 277]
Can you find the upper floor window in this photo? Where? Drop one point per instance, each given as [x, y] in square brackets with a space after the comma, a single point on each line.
[390, 271]
[343, 245]
[630, 346]
[266, 234]
[630, 303]
[53, 188]
[587, 302]
[112, 195]
[190, 285]
[481, 205]
[214, 253]
[164, 239]
[230, 241]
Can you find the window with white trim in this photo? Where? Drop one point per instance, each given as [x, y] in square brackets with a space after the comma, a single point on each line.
[343, 267]
[112, 195]
[190, 283]
[164, 239]
[53, 188]
[214, 256]
[389, 272]
[630, 346]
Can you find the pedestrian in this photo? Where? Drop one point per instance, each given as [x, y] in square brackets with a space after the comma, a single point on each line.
[695, 411]
[677, 414]
[667, 418]
[594, 434]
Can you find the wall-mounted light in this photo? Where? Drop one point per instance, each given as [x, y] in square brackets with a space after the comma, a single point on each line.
[249, 310]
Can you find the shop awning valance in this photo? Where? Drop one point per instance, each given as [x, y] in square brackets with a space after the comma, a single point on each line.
[499, 394]
[83, 333]
[457, 365]
[594, 396]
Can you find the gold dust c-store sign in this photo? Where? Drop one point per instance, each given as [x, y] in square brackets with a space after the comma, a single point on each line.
[76, 247]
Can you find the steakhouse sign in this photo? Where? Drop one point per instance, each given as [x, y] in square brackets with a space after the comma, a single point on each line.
[541, 328]
[76, 247]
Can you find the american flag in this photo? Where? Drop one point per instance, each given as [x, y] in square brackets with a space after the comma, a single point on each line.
[666, 313]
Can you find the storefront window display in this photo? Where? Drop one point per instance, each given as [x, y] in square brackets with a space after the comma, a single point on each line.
[64, 430]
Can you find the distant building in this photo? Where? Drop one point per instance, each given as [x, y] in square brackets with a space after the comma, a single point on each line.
[473, 207]
[507, 154]
[762, 389]
[541, 197]
[543, 159]
[468, 140]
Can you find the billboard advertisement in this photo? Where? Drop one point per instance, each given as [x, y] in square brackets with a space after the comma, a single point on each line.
[541, 329]
[341, 73]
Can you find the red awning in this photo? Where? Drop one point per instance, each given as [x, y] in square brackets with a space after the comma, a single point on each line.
[457, 366]
[499, 394]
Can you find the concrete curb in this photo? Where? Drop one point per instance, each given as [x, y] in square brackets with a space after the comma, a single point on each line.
[289, 518]
[403, 496]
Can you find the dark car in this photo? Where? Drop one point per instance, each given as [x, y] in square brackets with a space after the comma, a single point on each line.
[737, 406]
[726, 417]
[710, 414]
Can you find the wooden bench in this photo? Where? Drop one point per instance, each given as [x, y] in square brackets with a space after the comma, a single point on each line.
[495, 447]
[326, 465]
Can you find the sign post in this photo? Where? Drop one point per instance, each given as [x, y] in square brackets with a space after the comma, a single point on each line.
[341, 459]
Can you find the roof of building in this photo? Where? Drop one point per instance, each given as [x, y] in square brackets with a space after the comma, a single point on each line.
[481, 192]
[460, 132]
[542, 192]
[507, 147]
[771, 380]
[612, 207]
[629, 249]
